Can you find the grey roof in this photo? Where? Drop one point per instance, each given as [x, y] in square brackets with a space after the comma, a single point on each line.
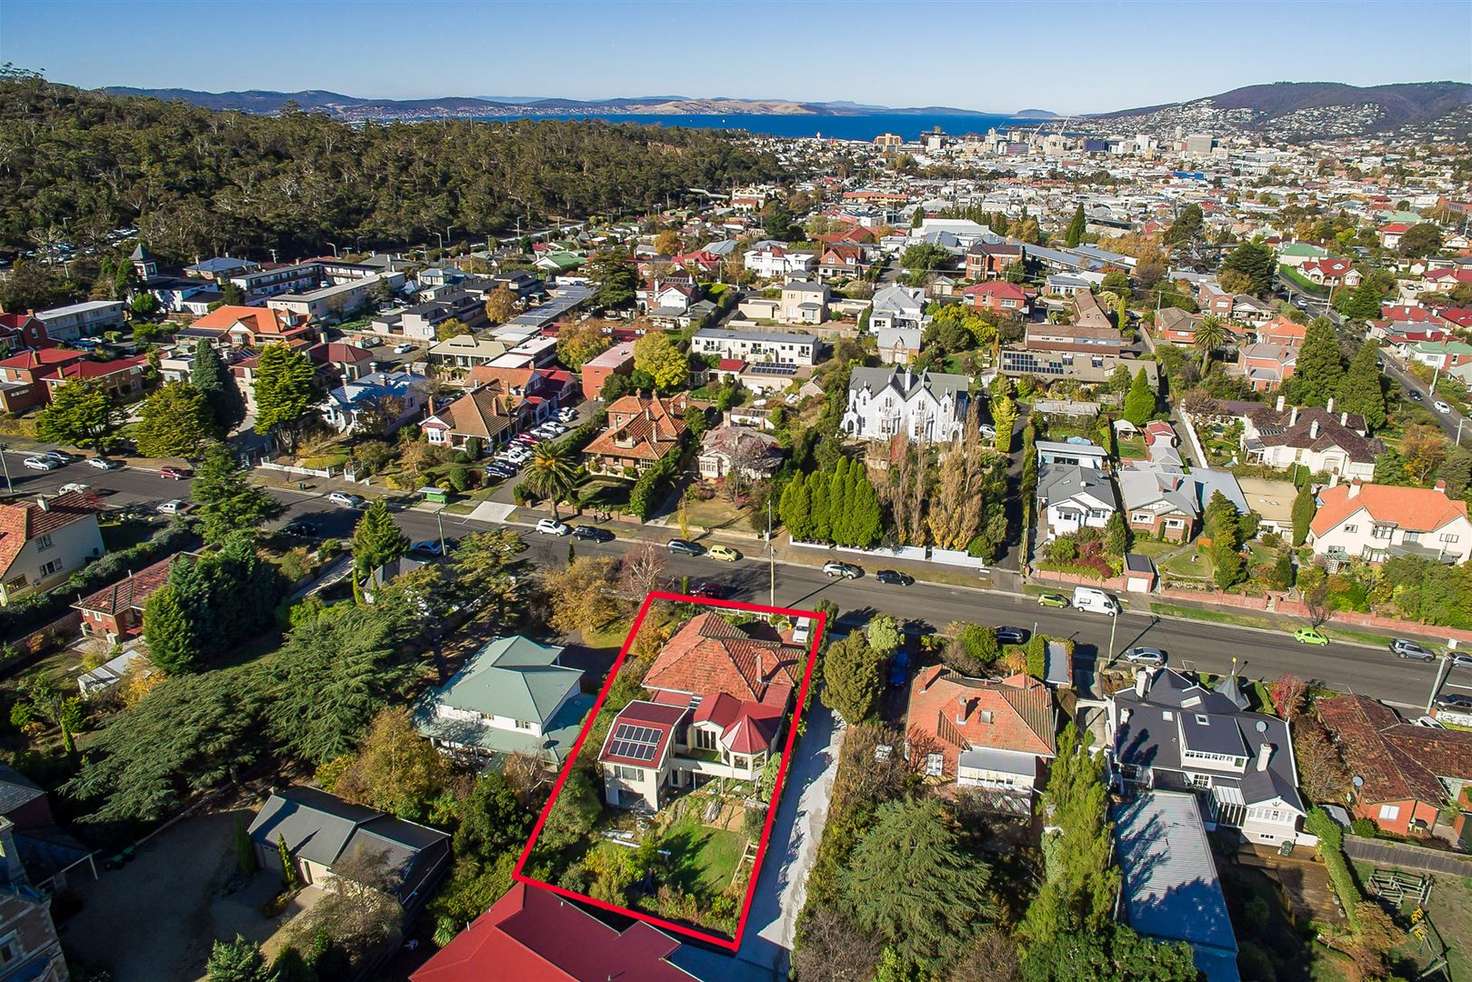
[1170, 888]
[776, 337]
[898, 298]
[1209, 481]
[1151, 736]
[1058, 664]
[1004, 761]
[906, 383]
[322, 828]
[1084, 449]
[1059, 482]
[804, 286]
[1143, 484]
[16, 790]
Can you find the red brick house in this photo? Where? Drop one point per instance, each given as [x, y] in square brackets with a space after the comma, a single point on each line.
[123, 378]
[986, 260]
[997, 296]
[642, 430]
[535, 935]
[21, 376]
[1407, 772]
[991, 733]
[618, 360]
[116, 611]
[18, 331]
[1331, 272]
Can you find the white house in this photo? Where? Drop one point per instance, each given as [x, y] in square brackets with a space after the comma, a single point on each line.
[1377, 521]
[803, 302]
[396, 397]
[1072, 497]
[929, 406]
[898, 320]
[772, 260]
[758, 347]
[44, 541]
[1170, 732]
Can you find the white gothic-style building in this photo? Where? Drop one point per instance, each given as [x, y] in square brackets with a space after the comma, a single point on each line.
[927, 406]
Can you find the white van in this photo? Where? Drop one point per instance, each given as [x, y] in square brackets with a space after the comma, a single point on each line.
[1096, 601]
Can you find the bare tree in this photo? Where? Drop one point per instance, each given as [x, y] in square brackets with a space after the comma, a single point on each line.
[358, 911]
[641, 571]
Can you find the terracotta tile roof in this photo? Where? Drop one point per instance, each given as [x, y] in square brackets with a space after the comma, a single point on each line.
[131, 592]
[708, 656]
[1413, 509]
[260, 320]
[1398, 761]
[641, 427]
[481, 413]
[336, 352]
[22, 522]
[997, 288]
[1015, 713]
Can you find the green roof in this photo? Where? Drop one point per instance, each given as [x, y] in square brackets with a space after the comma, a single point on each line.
[1302, 249]
[514, 677]
[564, 260]
[1442, 348]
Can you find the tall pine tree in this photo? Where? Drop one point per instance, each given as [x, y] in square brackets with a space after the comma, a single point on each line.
[376, 540]
[213, 379]
[821, 526]
[1362, 390]
[1075, 233]
[1319, 368]
[1139, 404]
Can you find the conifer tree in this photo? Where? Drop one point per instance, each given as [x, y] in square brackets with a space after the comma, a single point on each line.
[1319, 368]
[1139, 404]
[1362, 390]
[822, 527]
[376, 540]
[1075, 233]
[1303, 513]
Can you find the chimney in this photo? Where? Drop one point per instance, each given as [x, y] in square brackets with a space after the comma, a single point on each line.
[1293, 417]
[43, 503]
[1344, 418]
[1439, 486]
[1313, 430]
[1142, 682]
[961, 709]
[1329, 408]
[1354, 489]
[1281, 401]
[1264, 754]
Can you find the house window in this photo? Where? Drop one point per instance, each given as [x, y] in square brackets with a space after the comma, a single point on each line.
[1382, 531]
[629, 773]
[44, 541]
[1351, 529]
[52, 567]
[705, 740]
[523, 724]
[1142, 517]
[9, 949]
[935, 765]
[1200, 780]
[1389, 813]
[1449, 537]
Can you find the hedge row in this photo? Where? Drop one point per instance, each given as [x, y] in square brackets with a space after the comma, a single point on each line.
[1331, 851]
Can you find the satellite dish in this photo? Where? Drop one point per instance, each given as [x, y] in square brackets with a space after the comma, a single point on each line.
[1262, 726]
[1357, 781]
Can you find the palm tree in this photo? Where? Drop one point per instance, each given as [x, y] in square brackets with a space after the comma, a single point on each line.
[551, 473]
[1211, 333]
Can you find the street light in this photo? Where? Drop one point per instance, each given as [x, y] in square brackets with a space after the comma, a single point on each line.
[334, 249]
[441, 238]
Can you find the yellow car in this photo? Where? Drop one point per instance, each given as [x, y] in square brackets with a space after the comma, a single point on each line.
[724, 553]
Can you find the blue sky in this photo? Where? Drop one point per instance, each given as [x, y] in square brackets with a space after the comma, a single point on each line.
[999, 56]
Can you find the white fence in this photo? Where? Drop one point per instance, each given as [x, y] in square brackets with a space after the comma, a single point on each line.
[295, 471]
[913, 554]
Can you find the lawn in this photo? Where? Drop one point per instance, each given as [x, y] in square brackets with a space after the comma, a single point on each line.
[703, 859]
[1189, 563]
[1131, 448]
[717, 513]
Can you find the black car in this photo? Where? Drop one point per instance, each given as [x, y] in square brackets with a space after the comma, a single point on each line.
[685, 547]
[304, 528]
[1455, 701]
[894, 577]
[1012, 635]
[592, 533]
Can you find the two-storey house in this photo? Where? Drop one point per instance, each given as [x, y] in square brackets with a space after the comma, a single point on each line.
[927, 406]
[1374, 522]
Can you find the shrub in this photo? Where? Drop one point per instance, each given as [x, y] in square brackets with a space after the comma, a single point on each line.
[1365, 828]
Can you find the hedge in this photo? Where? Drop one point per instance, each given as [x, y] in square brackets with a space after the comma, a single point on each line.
[1331, 851]
[651, 485]
[39, 609]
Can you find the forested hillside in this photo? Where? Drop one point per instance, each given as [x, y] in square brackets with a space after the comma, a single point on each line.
[76, 164]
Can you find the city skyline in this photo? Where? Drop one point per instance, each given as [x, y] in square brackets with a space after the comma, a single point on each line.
[628, 50]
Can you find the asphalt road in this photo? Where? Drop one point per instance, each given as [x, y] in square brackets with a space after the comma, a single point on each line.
[1189, 644]
[1448, 421]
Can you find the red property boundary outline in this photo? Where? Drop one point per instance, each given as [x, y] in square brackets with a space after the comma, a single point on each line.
[730, 944]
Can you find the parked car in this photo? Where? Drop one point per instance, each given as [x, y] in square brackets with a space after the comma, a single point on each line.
[1145, 656]
[846, 570]
[104, 463]
[369, 342]
[1461, 661]
[1415, 395]
[174, 473]
[173, 506]
[1052, 600]
[708, 590]
[432, 547]
[1410, 649]
[685, 547]
[1455, 701]
[403, 349]
[303, 527]
[1012, 635]
[894, 577]
[567, 414]
[592, 533]
[551, 526]
[40, 464]
[74, 486]
[1442, 407]
[724, 553]
[1310, 635]
[1095, 601]
[344, 500]
[59, 456]
[1430, 722]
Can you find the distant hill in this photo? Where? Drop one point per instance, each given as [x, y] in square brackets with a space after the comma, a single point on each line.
[1035, 114]
[1311, 108]
[353, 108]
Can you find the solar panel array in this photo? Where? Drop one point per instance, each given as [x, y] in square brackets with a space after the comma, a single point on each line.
[773, 368]
[634, 742]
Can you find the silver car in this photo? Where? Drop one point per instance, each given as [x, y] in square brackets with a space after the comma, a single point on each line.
[1145, 656]
[1410, 649]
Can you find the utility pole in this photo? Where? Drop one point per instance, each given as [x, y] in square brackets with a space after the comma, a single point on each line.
[440, 522]
[1441, 673]
[771, 555]
[1113, 622]
[10, 488]
[334, 249]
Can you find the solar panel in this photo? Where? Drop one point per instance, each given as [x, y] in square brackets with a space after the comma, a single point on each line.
[634, 742]
[773, 369]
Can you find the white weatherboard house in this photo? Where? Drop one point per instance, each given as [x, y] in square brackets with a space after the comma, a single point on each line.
[1071, 497]
[926, 406]
[898, 320]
